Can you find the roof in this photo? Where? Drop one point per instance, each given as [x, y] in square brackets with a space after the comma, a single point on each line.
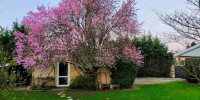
[193, 51]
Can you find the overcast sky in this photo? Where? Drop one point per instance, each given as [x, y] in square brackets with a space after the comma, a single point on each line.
[11, 10]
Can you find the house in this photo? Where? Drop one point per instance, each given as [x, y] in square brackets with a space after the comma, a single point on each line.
[63, 74]
[192, 52]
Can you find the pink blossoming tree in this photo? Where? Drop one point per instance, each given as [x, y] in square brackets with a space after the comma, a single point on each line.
[79, 31]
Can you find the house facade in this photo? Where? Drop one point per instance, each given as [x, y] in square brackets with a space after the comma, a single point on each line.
[63, 74]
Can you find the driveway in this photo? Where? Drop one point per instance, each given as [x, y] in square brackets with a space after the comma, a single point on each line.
[152, 80]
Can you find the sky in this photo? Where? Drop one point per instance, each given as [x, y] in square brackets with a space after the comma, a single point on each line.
[15, 10]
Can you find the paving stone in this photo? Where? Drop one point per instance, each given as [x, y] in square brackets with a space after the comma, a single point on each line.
[154, 80]
[60, 93]
[62, 96]
[69, 97]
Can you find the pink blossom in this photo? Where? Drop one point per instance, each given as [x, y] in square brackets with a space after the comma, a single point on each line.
[68, 31]
[133, 54]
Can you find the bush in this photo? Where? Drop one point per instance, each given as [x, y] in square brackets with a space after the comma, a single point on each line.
[83, 82]
[155, 68]
[124, 73]
[157, 60]
[24, 73]
[192, 70]
[7, 82]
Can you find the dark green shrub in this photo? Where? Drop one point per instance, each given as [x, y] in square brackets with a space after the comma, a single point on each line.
[24, 73]
[192, 70]
[83, 82]
[155, 68]
[157, 60]
[124, 73]
[7, 82]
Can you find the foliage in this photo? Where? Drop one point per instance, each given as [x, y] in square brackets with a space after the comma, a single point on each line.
[1, 29]
[124, 73]
[7, 37]
[7, 80]
[192, 70]
[7, 45]
[9, 77]
[25, 74]
[83, 82]
[157, 59]
[192, 44]
[5, 58]
[20, 28]
[77, 30]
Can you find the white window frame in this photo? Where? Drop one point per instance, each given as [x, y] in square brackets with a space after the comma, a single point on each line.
[68, 77]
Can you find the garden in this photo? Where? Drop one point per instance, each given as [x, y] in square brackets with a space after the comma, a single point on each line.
[86, 50]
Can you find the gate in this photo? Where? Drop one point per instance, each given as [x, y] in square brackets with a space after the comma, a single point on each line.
[179, 72]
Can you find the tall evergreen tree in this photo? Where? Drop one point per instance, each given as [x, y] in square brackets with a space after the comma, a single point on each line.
[157, 60]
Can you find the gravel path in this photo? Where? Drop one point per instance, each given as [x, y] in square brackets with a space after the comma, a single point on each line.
[151, 80]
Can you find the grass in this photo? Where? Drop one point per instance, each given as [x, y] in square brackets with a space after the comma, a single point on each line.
[166, 91]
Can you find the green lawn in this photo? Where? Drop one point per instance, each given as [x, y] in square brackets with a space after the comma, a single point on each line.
[166, 91]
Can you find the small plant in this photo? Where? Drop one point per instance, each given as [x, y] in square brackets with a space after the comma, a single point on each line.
[83, 82]
[7, 82]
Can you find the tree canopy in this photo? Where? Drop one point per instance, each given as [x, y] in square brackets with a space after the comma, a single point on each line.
[79, 31]
[157, 59]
